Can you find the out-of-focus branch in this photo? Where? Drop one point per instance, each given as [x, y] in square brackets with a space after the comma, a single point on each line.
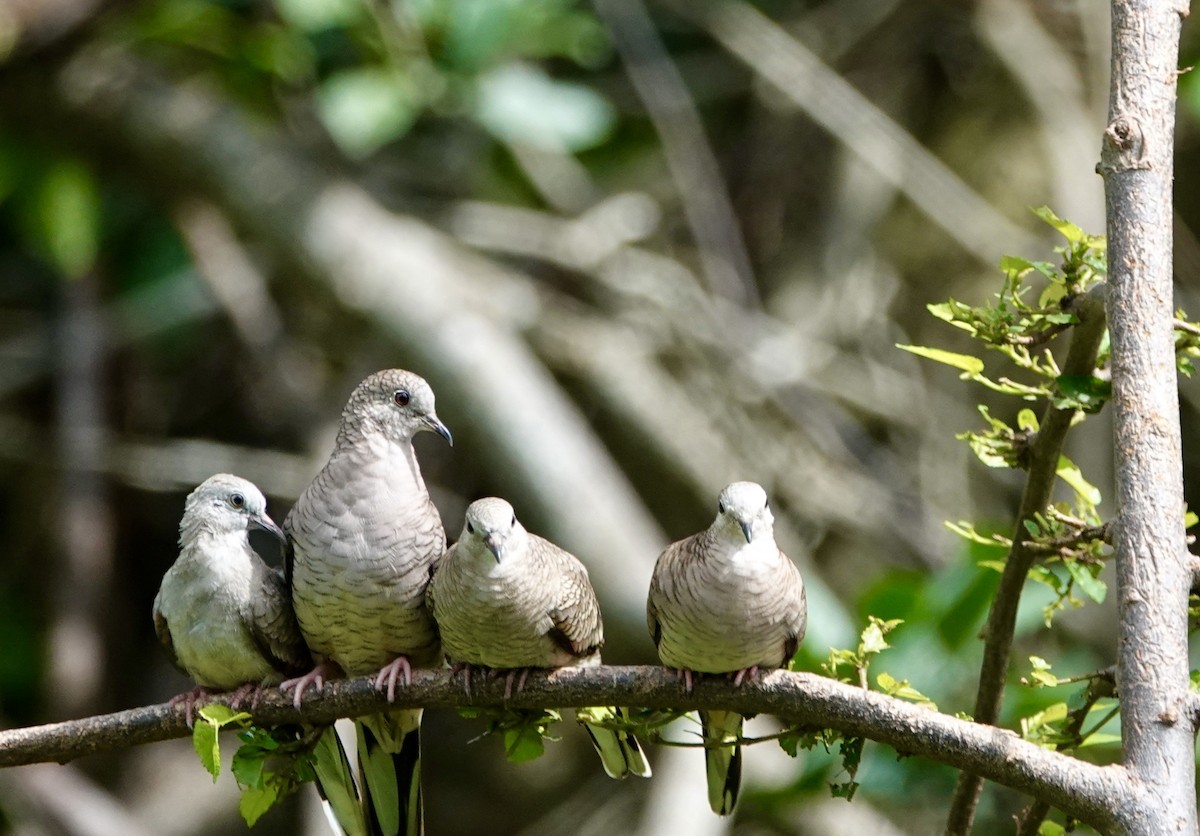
[857, 123]
[1100, 795]
[1042, 473]
[64, 800]
[694, 169]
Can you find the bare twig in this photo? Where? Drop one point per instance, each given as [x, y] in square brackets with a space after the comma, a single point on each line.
[1101, 796]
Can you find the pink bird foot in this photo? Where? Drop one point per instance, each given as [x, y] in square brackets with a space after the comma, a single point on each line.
[189, 700]
[315, 677]
[391, 672]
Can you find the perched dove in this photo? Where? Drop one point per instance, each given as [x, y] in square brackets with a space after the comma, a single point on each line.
[365, 536]
[221, 613]
[727, 600]
[505, 599]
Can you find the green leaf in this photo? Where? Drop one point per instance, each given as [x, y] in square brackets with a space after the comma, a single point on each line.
[523, 744]
[872, 639]
[1069, 230]
[367, 107]
[969, 364]
[1101, 739]
[520, 103]
[255, 802]
[315, 15]
[222, 715]
[1092, 586]
[68, 218]
[1082, 391]
[204, 741]
[1051, 828]
[1027, 420]
[1016, 265]
[1069, 473]
[247, 766]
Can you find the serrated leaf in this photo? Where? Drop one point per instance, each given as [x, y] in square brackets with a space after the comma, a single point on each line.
[255, 802]
[208, 749]
[1092, 586]
[247, 766]
[969, 364]
[872, 639]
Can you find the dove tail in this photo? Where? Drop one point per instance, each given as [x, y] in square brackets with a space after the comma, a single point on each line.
[723, 762]
[390, 766]
[619, 750]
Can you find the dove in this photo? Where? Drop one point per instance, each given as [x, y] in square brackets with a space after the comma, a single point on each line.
[727, 601]
[365, 536]
[222, 614]
[508, 600]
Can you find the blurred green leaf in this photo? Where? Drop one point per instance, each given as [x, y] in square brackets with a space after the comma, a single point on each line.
[519, 103]
[364, 109]
[1091, 585]
[1082, 391]
[67, 220]
[314, 15]
[1070, 473]
[968, 363]
[256, 801]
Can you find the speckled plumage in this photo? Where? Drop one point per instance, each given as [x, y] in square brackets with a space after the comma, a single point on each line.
[365, 536]
[727, 600]
[222, 614]
[507, 599]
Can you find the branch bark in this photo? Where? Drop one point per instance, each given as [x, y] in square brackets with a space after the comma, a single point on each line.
[1103, 796]
[1153, 564]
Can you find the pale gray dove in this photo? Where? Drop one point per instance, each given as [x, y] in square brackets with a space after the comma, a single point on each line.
[365, 536]
[508, 600]
[727, 601]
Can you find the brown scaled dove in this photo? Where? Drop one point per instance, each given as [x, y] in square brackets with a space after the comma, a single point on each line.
[505, 599]
[727, 601]
[365, 536]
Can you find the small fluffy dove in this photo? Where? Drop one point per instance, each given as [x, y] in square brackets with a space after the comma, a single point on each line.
[727, 601]
[508, 600]
[222, 614]
[365, 536]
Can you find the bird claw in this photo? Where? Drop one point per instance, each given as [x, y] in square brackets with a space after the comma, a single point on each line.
[390, 672]
[301, 683]
[251, 690]
[189, 699]
[520, 674]
[749, 674]
[688, 679]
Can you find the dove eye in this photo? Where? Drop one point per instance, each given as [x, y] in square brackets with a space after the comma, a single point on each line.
[401, 397]
[720, 507]
[237, 500]
[470, 528]
[767, 505]
[513, 524]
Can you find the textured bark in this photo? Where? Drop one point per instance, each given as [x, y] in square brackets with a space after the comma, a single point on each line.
[1103, 796]
[1153, 565]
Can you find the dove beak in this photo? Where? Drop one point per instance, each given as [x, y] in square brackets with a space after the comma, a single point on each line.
[264, 523]
[435, 424]
[495, 545]
[747, 529]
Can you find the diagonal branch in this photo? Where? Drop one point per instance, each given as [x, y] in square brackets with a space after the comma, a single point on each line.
[998, 632]
[1100, 795]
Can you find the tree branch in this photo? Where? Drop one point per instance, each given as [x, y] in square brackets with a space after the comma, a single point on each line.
[1099, 795]
[998, 632]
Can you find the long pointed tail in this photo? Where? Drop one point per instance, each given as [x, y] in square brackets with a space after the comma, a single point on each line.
[620, 752]
[335, 783]
[723, 763]
[389, 762]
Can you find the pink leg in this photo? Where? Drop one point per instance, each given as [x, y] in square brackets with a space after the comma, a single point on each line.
[749, 674]
[189, 700]
[314, 677]
[508, 683]
[390, 672]
[250, 689]
[688, 680]
[465, 670]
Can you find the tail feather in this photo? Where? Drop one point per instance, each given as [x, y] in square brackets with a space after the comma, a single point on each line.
[723, 763]
[389, 759]
[335, 783]
[619, 750]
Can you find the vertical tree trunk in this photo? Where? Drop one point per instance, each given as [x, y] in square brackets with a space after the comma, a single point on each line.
[1152, 573]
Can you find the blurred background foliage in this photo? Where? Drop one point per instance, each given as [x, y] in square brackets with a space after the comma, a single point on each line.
[639, 251]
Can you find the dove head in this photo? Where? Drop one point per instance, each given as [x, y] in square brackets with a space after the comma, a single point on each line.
[744, 512]
[394, 403]
[492, 524]
[225, 504]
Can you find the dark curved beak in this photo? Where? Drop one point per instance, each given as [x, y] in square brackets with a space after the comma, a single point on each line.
[435, 424]
[264, 523]
[747, 529]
